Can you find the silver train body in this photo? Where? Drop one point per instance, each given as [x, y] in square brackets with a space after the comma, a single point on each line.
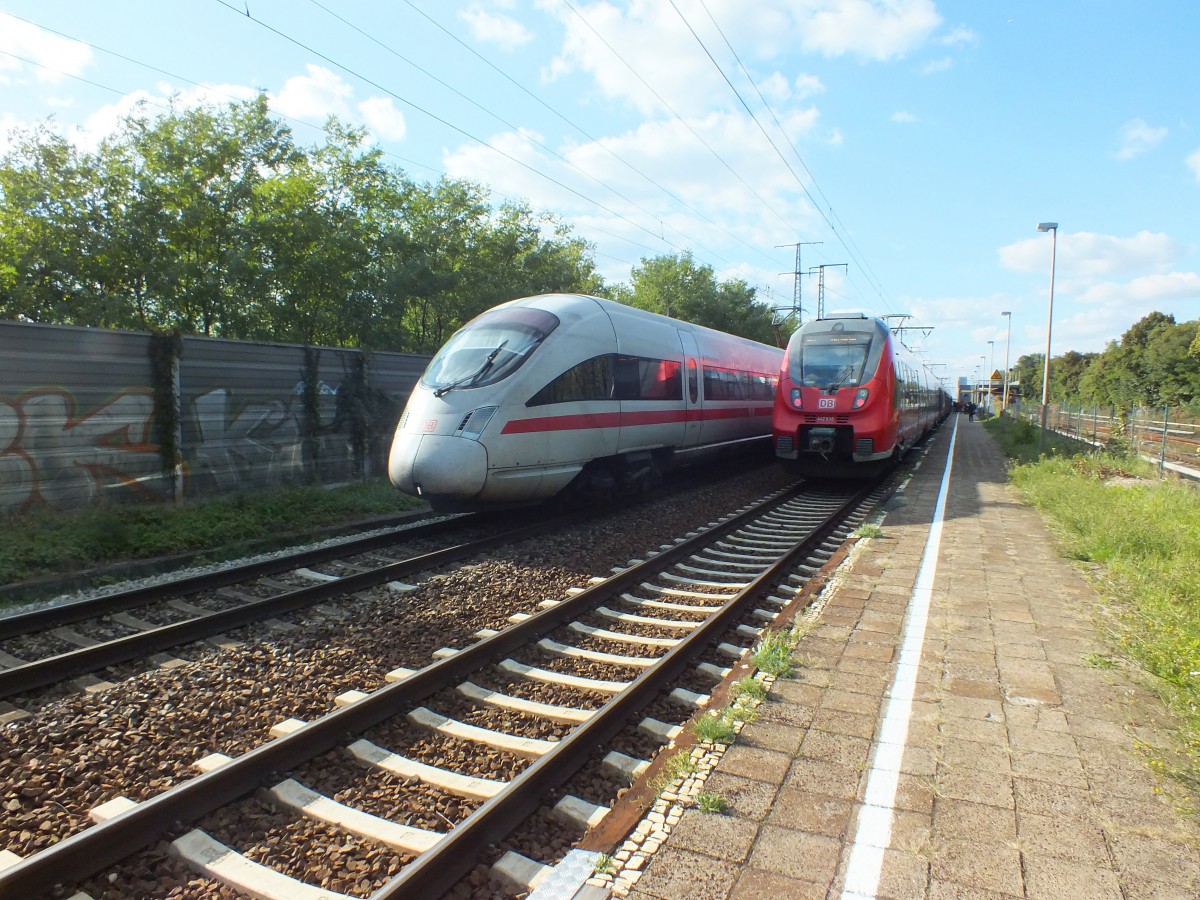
[565, 390]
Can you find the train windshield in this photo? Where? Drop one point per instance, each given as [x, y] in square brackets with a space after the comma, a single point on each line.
[488, 348]
[833, 359]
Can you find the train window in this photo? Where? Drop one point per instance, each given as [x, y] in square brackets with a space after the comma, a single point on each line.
[638, 378]
[831, 358]
[732, 384]
[693, 382]
[488, 348]
[592, 379]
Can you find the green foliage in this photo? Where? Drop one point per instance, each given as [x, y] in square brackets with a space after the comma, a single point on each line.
[773, 654]
[1146, 537]
[212, 220]
[677, 286]
[868, 530]
[677, 766]
[749, 687]
[715, 728]
[709, 802]
[1019, 439]
[45, 542]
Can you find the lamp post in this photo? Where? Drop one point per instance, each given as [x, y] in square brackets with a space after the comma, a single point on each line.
[979, 381]
[991, 369]
[1007, 343]
[1052, 227]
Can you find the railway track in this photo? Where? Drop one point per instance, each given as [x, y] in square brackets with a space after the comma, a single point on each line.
[48, 645]
[536, 699]
[86, 636]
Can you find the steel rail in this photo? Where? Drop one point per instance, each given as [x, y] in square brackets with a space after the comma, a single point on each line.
[54, 669]
[441, 867]
[87, 852]
[67, 613]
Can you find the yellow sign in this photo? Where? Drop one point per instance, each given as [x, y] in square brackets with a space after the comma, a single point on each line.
[996, 376]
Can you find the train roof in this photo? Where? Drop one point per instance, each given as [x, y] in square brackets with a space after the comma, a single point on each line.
[560, 301]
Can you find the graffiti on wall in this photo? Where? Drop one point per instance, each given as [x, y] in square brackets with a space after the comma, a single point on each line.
[261, 442]
[50, 453]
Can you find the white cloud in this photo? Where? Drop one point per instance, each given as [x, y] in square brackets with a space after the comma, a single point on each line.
[903, 117]
[806, 86]
[493, 28]
[937, 65]
[1148, 292]
[960, 35]
[1193, 163]
[637, 211]
[314, 97]
[54, 56]
[872, 30]
[383, 119]
[652, 39]
[1137, 137]
[1086, 257]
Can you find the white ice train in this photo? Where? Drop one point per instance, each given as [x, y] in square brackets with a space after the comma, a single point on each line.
[565, 390]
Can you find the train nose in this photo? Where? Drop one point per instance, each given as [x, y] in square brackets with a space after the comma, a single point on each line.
[437, 465]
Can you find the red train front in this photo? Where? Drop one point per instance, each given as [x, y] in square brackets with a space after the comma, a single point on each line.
[851, 397]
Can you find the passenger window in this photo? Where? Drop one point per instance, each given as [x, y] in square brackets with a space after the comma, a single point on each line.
[592, 379]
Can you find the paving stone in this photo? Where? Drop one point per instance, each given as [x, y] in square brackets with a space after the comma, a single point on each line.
[978, 865]
[755, 762]
[685, 875]
[806, 811]
[812, 857]
[1047, 878]
[723, 837]
[757, 884]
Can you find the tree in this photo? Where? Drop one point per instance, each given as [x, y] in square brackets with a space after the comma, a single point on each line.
[677, 286]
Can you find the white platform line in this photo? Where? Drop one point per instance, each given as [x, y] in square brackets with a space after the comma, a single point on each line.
[874, 827]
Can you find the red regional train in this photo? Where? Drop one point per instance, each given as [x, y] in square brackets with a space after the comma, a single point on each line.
[565, 392]
[851, 398]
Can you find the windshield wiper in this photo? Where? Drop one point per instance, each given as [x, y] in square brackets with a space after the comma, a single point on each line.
[840, 378]
[474, 376]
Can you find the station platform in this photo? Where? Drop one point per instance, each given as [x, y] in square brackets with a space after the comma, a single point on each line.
[954, 728]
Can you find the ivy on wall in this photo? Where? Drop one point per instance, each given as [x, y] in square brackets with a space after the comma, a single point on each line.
[166, 347]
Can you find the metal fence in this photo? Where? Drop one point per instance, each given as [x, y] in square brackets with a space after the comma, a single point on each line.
[1164, 435]
[89, 415]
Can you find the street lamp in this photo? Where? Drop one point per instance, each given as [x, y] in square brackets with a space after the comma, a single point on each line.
[1052, 227]
[1007, 342]
[991, 369]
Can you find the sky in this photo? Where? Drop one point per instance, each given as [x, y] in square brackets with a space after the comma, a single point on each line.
[911, 147]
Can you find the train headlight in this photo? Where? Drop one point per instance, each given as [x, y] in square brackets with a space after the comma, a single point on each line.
[860, 397]
[475, 421]
[797, 402]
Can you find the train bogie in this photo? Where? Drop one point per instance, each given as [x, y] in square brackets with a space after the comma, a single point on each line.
[567, 391]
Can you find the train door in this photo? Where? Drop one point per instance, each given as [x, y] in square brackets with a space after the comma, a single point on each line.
[693, 402]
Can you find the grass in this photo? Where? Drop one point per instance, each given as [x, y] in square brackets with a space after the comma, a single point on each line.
[773, 655]
[716, 728]
[707, 801]
[868, 530]
[1143, 539]
[44, 542]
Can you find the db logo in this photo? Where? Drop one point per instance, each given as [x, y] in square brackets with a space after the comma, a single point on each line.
[825, 402]
[430, 424]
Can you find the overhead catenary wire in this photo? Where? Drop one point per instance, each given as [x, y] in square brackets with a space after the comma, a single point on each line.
[245, 13]
[596, 142]
[790, 226]
[491, 112]
[817, 206]
[165, 107]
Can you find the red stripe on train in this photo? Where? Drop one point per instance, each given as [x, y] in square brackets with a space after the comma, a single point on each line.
[584, 421]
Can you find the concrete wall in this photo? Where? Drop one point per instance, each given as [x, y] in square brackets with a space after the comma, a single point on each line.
[77, 417]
